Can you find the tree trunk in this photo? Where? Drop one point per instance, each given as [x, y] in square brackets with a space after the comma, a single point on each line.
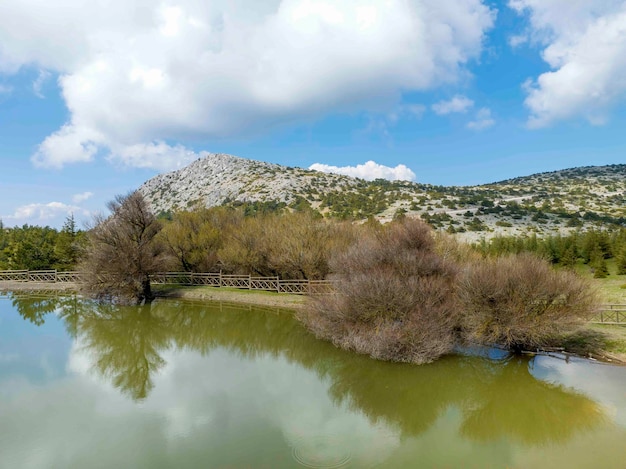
[146, 290]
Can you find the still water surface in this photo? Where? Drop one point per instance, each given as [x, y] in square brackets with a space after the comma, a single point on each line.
[195, 385]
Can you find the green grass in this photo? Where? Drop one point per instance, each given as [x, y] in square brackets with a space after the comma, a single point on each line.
[612, 289]
[600, 341]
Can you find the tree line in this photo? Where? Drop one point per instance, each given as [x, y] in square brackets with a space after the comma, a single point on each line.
[592, 247]
[40, 248]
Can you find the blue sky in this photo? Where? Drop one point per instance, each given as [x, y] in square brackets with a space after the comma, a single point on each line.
[97, 98]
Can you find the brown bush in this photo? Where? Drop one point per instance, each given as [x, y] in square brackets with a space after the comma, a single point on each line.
[394, 297]
[121, 252]
[289, 245]
[520, 302]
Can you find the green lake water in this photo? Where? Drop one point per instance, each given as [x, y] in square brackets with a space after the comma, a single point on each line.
[194, 385]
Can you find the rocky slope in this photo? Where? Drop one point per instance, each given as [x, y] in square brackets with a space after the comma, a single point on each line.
[218, 179]
[546, 203]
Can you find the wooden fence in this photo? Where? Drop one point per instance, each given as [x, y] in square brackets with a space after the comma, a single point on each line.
[246, 282]
[607, 314]
[43, 276]
[611, 314]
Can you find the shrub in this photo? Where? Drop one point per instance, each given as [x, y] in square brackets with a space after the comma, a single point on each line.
[520, 302]
[393, 296]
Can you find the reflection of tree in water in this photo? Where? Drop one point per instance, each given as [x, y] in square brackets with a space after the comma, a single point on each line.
[496, 398]
[34, 308]
[125, 342]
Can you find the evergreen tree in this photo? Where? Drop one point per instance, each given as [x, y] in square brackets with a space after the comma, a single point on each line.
[598, 264]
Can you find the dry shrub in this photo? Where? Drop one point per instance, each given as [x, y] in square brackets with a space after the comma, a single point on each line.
[520, 302]
[290, 245]
[121, 252]
[394, 297]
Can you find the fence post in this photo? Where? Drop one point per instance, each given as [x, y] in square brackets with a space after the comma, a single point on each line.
[277, 284]
[220, 285]
[250, 282]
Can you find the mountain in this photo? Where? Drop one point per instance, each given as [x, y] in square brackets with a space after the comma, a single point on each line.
[545, 203]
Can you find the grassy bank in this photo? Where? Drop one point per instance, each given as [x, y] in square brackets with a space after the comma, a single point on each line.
[612, 289]
[601, 341]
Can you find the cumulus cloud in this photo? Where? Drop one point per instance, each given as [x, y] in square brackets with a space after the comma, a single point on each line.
[585, 46]
[69, 144]
[78, 198]
[155, 155]
[145, 72]
[368, 171]
[43, 212]
[458, 104]
[483, 120]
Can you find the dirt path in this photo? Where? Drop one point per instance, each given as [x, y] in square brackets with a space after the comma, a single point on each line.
[36, 286]
[231, 295]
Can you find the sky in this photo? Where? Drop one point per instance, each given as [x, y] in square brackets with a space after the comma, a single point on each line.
[97, 97]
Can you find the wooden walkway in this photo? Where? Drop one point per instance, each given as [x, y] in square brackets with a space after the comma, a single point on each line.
[244, 282]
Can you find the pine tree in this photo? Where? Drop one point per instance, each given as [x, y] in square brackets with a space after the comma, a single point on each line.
[598, 264]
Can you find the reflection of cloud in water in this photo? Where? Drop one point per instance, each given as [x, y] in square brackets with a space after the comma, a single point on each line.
[605, 384]
[226, 390]
[195, 399]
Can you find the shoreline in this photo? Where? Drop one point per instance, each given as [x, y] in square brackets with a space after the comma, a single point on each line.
[206, 293]
[615, 335]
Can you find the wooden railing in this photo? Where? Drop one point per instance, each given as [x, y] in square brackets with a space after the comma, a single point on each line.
[611, 314]
[607, 314]
[246, 282]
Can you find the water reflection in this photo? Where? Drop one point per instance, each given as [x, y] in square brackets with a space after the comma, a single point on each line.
[497, 398]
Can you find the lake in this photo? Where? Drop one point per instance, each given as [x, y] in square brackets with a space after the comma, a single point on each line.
[182, 384]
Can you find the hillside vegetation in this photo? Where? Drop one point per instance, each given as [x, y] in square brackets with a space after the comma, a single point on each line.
[554, 203]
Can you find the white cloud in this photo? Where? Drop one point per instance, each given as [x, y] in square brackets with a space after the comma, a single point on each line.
[5, 89]
[158, 71]
[156, 155]
[518, 40]
[69, 144]
[41, 79]
[78, 198]
[43, 212]
[368, 171]
[585, 45]
[458, 103]
[482, 121]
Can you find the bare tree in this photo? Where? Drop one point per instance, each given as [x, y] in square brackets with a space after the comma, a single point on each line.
[122, 252]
